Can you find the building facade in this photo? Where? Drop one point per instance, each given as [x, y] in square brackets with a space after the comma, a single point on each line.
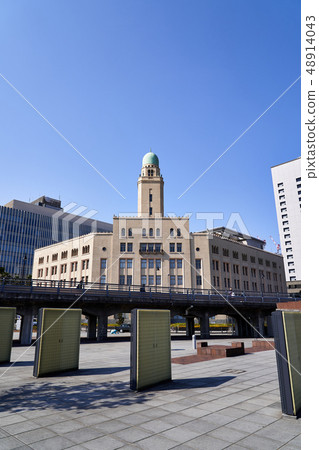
[287, 190]
[25, 227]
[157, 251]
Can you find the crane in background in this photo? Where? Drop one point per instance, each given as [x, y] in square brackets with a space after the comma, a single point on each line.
[277, 245]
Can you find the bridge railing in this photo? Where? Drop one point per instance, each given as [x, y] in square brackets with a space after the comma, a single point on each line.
[10, 284]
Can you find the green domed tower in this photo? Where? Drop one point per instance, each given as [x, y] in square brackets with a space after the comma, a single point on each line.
[150, 188]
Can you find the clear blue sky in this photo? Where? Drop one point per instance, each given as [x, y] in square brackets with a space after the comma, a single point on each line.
[183, 77]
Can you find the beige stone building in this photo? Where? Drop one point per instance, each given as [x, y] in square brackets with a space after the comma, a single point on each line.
[157, 251]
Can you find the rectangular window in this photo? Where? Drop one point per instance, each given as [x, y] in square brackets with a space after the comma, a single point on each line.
[198, 280]
[284, 216]
[215, 264]
[74, 252]
[102, 279]
[143, 280]
[103, 263]
[143, 263]
[151, 263]
[172, 280]
[286, 229]
[122, 247]
[122, 263]
[260, 261]
[151, 210]
[158, 280]
[282, 203]
[252, 259]
[179, 263]
[129, 280]
[287, 242]
[298, 179]
[143, 247]
[292, 271]
[122, 279]
[283, 210]
[244, 256]
[291, 264]
[129, 263]
[281, 197]
[172, 263]
[151, 197]
[158, 264]
[290, 256]
[158, 247]
[151, 280]
[179, 247]
[287, 236]
[289, 249]
[198, 263]
[172, 248]
[55, 257]
[130, 247]
[225, 252]
[180, 280]
[235, 255]
[280, 184]
[150, 248]
[215, 249]
[281, 191]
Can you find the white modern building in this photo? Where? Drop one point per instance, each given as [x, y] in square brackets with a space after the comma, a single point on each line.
[287, 190]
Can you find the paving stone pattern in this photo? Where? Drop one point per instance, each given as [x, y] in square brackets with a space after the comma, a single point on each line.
[228, 403]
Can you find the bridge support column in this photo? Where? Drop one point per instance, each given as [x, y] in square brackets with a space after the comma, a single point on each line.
[190, 328]
[102, 327]
[26, 328]
[270, 331]
[261, 325]
[204, 326]
[91, 331]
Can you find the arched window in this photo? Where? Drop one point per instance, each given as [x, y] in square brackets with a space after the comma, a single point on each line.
[158, 232]
[144, 232]
[151, 232]
[130, 231]
[178, 232]
[171, 232]
[123, 232]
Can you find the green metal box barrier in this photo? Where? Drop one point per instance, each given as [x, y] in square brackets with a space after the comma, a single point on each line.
[287, 333]
[7, 317]
[150, 348]
[58, 341]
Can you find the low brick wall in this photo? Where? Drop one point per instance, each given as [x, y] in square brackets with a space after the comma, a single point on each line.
[220, 351]
[266, 345]
[289, 306]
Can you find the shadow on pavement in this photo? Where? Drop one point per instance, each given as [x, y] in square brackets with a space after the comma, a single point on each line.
[85, 396]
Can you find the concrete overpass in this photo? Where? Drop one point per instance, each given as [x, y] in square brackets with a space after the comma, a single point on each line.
[98, 301]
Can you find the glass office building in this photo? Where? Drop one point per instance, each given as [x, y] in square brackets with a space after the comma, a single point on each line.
[25, 227]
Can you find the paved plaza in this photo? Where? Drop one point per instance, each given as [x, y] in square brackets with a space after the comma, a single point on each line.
[228, 403]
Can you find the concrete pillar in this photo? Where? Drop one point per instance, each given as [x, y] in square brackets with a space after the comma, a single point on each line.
[204, 326]
[236, 327]
[26, 328]
[190, 327]
[102, 327]
[270, 331]
[91, 331]
[261, 326]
